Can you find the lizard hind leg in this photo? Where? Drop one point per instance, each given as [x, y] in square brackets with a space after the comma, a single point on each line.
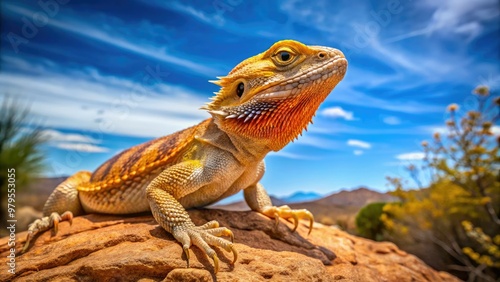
[62, 205]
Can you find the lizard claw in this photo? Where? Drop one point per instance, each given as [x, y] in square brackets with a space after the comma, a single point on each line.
[276, 216]
[46, 223]
[295, 221]
[185, 248]
[203, 236]
[55, 218]
[287, 213]
[216, 263]
[235, 254]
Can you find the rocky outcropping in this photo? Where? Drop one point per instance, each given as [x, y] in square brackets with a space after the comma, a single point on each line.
[117, 248]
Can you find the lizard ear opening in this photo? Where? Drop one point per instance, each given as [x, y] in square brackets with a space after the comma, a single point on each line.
[240, 89]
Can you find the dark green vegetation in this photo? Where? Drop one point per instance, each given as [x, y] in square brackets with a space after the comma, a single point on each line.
[369, 223]
[21, 157]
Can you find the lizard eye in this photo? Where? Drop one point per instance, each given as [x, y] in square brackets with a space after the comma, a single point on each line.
[240, 89]
[284, 57]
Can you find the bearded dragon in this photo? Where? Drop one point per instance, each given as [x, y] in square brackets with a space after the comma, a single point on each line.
[264, 103]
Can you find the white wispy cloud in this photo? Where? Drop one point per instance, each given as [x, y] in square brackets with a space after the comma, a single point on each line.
[392, 120]
[81, 147]
[57, 136]
[413, 156]
[358, 152]
[308, 139]
[85, 99]
[418, 66]
[130, 38]
[467, 18]
[288, 155]
[72, 141]
[224, 15]
[329, 127]
[346, 93]
[213, 17]
[441, 129]
[316, 15]
[359, 143]
[337, 112]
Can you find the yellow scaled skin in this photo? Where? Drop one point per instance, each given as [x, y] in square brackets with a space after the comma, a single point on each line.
[264, 103]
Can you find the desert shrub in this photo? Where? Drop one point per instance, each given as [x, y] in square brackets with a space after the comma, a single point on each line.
[459, 211]
[369, 223]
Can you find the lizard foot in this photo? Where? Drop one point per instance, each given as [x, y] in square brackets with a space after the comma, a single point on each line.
[46, 223]
[287, 213]
[203, 236]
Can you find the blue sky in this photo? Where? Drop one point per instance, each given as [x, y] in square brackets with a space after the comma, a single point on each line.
[102, 76]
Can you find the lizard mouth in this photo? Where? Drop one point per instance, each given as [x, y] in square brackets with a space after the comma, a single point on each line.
[292, 86]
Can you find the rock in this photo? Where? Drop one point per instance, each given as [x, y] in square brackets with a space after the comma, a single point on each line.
[135, 248]
[189, 275]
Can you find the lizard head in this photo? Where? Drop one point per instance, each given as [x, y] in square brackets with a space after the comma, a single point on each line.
[270, 98]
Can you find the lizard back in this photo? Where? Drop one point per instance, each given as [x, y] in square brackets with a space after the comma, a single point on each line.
[133, 164]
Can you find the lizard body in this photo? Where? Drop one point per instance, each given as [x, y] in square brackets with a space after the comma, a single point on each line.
[264, 103]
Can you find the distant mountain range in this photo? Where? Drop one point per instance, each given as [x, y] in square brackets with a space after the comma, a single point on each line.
[300, 196]
[359, 197]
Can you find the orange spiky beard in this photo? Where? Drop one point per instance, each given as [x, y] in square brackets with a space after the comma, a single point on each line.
[277, 121]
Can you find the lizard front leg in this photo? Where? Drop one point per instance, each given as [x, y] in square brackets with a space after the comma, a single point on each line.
[163, 193]
[258, 200]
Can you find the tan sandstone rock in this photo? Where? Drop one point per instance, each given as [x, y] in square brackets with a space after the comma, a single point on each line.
[118, 248]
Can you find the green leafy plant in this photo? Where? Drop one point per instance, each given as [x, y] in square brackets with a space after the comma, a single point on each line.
[20, 148]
